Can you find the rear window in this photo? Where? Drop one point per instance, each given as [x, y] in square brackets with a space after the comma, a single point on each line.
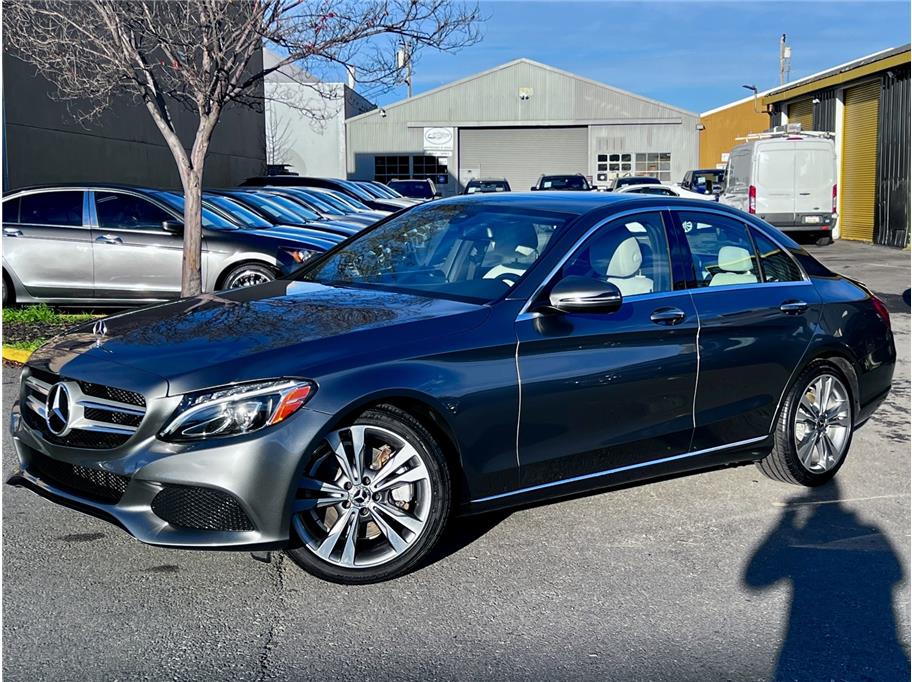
[52, 208]
[564, 182]
[413, 188]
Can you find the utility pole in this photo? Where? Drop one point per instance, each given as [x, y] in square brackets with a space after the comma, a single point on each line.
[404, 61]
[785, 60]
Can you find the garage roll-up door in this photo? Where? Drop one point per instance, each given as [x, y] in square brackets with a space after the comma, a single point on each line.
[859, 161]
[521, 155]
[802, 112]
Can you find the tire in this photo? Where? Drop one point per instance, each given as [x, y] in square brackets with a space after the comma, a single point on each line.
[247, 275]
[373, 556]
[9, 293]
[789, 463]
[825, 241]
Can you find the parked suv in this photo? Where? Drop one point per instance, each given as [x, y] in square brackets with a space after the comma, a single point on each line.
[574, 183]
[628, 180]
[703, 181]
[486, 185]
[122, 245]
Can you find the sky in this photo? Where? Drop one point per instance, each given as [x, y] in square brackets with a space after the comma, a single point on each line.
[694, 55]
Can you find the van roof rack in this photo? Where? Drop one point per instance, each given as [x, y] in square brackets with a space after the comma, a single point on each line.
[790, 130]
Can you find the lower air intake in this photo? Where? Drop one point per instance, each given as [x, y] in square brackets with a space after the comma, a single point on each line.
[200, 509]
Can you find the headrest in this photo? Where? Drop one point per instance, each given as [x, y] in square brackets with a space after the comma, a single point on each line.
[734, 259]
[626, 259]
[510, 240]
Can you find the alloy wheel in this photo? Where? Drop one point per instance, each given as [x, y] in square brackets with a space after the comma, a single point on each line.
[822, 423]
[247, 278]
[364, 499]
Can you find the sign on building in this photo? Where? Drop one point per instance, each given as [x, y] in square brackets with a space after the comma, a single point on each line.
[439, 139]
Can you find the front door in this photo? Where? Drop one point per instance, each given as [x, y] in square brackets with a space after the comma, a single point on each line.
[134, 257]
[602, 392]
[757, 317]
[48, 245]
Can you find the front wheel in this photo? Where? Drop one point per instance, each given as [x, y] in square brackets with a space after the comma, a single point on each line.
[248, 275]
[814, 428]
[372, 500]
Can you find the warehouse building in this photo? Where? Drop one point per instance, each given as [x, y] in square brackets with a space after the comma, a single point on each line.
[721, 128]
[865, 103]
[44, 143]
[519, 121]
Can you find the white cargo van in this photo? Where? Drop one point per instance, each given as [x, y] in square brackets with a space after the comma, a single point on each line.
[787, 179]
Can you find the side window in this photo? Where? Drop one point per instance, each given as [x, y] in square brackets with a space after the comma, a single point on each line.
[52, 208]
[775, 264]
[721, 248]
[11, 211]
[631, 253]
[126, 211]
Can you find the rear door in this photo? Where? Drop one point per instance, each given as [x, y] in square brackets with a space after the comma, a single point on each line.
[134, 257]
[815, 176]
[775, 181]
[48, 245]
[602, 392]
[757, 312]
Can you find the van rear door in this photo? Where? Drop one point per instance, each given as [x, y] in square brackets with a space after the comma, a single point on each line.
[815, 175]
[775, 181]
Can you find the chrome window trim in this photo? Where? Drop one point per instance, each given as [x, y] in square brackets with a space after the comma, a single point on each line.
[616, 470]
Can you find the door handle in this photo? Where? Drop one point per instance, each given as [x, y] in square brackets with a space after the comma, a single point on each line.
[667, 315]
[11, 232]
[109, 239]
[793, 307]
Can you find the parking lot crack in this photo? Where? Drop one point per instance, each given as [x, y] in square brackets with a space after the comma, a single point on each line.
[276, 609]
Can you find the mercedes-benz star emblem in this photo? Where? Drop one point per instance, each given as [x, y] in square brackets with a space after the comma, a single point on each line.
[100, 328]
[58, 409]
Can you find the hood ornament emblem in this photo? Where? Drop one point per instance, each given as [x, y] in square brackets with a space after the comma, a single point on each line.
[100, 328]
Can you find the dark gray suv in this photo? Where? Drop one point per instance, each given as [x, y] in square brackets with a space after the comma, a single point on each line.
[120, 245]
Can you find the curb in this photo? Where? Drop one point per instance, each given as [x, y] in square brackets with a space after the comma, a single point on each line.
[16, 355]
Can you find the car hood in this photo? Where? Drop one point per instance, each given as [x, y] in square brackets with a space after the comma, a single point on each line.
[280, 328]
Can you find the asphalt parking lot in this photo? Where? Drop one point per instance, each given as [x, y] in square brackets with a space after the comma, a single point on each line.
[723, 575]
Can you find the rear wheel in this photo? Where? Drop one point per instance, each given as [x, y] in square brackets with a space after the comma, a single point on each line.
[825, 241]
[9, 294]
[372, 501]
[814, 428]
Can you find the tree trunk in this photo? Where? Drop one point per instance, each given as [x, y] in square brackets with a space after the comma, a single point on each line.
[191, 279]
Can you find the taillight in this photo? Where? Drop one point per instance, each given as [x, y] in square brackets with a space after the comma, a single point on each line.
[881, 309]
[834, 199]
[752, 199]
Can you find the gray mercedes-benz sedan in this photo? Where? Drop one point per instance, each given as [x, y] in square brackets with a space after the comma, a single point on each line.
[123, 245]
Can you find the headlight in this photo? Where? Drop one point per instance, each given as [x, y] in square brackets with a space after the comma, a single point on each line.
[299, 255]
[236, 410]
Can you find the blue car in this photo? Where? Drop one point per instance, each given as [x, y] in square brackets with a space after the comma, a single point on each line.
[465, 355]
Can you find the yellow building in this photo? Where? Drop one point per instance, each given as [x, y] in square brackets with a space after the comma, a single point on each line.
[723, 125]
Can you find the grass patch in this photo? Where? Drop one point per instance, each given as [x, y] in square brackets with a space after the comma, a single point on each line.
[41, 314]
[29, 346]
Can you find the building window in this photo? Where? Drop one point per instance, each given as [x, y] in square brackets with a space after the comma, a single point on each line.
[652, 164]
[388, 168]
[429, 167]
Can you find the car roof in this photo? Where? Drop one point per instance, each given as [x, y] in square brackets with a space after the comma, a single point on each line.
[577, 203]
[93, 185]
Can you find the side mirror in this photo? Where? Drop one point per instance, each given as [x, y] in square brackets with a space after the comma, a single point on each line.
[173, 226]
[585, 295]
[533, 188]
[437, 195]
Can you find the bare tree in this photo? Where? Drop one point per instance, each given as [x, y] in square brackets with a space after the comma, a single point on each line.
[278, 136]
[199, 54]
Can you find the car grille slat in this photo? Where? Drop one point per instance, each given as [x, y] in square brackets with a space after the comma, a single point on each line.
[110, 415]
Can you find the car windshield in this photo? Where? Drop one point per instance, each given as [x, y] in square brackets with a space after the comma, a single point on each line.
[268, 208]
[350, 201]
[388, 191]
[210, 219]
[373, 191]
[334, 202]
[243, 215]
[315, 201]
[413, 188]
[472, 252]
[359, 192]
[292, 206]
[564, 182]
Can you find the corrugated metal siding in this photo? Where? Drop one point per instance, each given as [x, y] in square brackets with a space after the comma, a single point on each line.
[802, 112]
[521, 155]
[680, 142]
[859, 161]
[825, 111]
[892, 214]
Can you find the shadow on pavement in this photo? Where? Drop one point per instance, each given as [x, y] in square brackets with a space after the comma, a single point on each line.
[841, 623]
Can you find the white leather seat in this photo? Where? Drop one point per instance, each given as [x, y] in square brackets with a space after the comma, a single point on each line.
[735, 265]
[624, 266]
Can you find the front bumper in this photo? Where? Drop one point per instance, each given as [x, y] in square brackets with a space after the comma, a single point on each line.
[258, 471]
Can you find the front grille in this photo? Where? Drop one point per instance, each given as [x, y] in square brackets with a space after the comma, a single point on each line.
[93, 484]
[104, 417]
[200, 509]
